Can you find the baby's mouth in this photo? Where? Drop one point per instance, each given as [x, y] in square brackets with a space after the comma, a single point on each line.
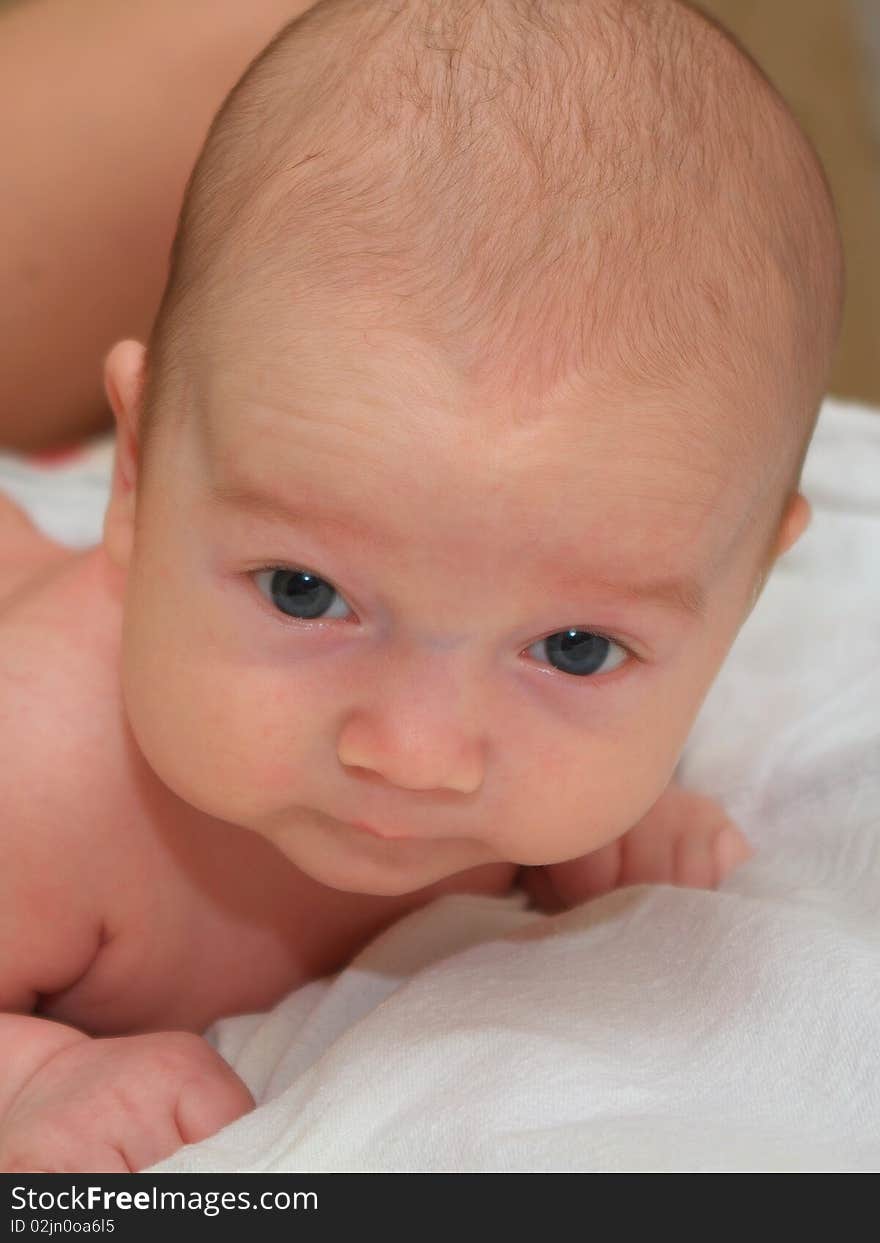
[360, 826]
[380, 833]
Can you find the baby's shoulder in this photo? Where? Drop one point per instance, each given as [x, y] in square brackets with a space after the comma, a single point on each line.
[61, 715]
[57, 741]
[60, 633]
[25, 552]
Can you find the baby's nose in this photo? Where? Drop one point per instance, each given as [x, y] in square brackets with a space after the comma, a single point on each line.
[435, 758]
[418, 718]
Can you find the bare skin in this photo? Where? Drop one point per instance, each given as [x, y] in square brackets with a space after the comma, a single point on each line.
[227, 896]
[85, 262]
[163, 919]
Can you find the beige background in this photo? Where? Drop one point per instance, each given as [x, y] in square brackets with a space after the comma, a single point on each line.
[823, 56]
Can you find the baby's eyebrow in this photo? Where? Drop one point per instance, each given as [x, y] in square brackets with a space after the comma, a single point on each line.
[253, 500]
[684, 594]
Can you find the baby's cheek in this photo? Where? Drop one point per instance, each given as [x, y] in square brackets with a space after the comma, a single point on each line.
[234, 753]
[580, 801]
[182, 724]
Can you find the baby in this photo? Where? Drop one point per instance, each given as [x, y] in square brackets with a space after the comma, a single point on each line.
[470, 427]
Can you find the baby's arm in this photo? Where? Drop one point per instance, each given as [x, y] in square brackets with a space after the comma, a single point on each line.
[70, 1103]
[685, 839]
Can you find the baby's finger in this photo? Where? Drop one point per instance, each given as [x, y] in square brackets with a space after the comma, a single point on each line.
[206, 1105]
[589, 876]
[648, 856]
[731, 850]
[694, 864]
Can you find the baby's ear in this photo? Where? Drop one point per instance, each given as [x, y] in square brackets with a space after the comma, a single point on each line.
[123, 382]
[795, 521]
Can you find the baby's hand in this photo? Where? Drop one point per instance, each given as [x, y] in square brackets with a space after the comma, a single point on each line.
[117, 1105]
[685, 839]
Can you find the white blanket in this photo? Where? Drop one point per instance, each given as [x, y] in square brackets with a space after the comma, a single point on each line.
[656, 1028]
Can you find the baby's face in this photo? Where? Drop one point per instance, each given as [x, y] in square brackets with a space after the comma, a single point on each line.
[359, 596]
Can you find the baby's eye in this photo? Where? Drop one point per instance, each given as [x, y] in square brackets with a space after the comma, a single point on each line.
[300, 594]
[579, 652]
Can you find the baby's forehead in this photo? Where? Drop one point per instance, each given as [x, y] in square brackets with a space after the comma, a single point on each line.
[690, 232]
[329, 369]
[380, 434]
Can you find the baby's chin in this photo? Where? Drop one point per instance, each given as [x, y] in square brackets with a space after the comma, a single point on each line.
[368, 878]
[354, 862]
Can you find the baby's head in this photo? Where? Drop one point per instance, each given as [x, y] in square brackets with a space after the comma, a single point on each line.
[472, 421]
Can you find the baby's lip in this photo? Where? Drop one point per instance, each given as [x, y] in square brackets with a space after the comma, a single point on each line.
[384, 834]
[380, 833]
